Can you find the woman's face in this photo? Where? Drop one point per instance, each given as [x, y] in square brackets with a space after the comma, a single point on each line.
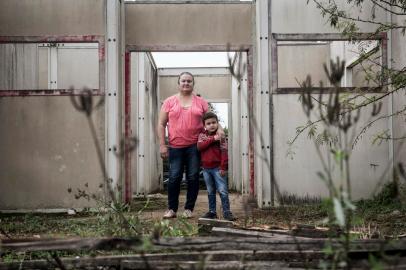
[185, 83]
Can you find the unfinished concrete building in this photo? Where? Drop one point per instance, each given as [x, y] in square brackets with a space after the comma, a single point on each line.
[48, 46]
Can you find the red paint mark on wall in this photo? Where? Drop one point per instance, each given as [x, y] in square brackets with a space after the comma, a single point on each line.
[102, 52]
[250, 76]
[56, 39]
[127, 126]
[47, 92]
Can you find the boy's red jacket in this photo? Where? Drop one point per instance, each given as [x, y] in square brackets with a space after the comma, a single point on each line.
[213, 153]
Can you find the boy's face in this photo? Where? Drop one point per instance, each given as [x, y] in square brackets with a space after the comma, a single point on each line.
[211, 125]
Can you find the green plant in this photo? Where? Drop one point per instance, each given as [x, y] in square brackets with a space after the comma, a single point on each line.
[112, 211]
[180, 227]
[333, 146]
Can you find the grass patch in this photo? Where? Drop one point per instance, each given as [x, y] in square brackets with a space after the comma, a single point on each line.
[384, 215]
[384, 212]
[386, 201]
[149, 203]
[89, 225]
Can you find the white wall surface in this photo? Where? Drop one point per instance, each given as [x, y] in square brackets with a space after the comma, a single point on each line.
[298, 175]
[47, 148]
[296, 16]
[188, 24]
[51, 17]
[294, 62]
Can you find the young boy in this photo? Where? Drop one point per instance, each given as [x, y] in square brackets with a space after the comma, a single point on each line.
[214, 160]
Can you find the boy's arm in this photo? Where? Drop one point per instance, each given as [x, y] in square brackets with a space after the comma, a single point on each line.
[224, 154]
[204, 141]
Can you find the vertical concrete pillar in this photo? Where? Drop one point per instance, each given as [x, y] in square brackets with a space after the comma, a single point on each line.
[244, 131]
[240, 131]
[143, 172]
[235, 134]
[113, 93]
[263, 107]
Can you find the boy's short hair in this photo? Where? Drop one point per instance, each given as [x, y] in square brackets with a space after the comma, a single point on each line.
[209, 115]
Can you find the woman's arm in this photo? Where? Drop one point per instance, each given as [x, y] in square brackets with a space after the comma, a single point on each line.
[162, 122]
[224, 154]
[220, 131]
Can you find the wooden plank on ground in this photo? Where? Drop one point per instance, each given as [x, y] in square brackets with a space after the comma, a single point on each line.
[197, 244]
[73, 244]
[206, 264]
[295, 257]
[206, 224]
[250, 233]
[213, 256]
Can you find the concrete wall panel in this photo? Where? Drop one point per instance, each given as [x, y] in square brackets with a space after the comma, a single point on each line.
[296, 167]
[43, 68]
[46, 149]
[362, 71]
[399, 99]
[18, 66]
[296, 16]
[188, 24]
[151, 120]
[78, 68]
[28, 66]
[209, 87]
[51, 17]
[294, 62]
[146, 164]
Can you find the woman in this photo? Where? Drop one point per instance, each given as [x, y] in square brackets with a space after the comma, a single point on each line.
[183, 114]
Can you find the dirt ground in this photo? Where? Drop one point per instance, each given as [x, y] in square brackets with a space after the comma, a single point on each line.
[238, 204]
[383, 216]
[371, 221]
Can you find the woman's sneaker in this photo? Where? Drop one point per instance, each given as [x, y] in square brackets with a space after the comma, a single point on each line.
[210, 215]
[170, 214]
[229, 216]
[187, 213]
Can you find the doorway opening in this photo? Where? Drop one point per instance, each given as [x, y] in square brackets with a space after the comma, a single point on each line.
[152, 77]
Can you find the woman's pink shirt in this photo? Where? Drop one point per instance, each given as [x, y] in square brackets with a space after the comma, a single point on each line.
[184, 124]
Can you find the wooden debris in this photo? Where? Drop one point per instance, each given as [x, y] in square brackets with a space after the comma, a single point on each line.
[206, 224]
[198, 244]
[311, 231]
[208, 265]
[251, 233]
[72, 244]
[192, 251]
[209, 259]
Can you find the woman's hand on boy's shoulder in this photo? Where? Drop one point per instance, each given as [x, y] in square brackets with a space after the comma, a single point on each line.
[220, 132]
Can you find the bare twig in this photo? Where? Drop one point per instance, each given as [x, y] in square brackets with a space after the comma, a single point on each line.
[58, 261]
[343, 16]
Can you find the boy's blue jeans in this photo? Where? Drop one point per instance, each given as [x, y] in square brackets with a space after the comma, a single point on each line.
[214, 181]
[179, 158]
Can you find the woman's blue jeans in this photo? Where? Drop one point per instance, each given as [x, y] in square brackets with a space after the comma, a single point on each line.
[214, 181]
[179, 159]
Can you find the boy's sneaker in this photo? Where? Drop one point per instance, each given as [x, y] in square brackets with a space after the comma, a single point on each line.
[169, 214]
[210, 215]
[187, 214]
[229, 216]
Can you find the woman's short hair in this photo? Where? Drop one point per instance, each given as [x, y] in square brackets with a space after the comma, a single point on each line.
[209, 115]
[187, 73]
